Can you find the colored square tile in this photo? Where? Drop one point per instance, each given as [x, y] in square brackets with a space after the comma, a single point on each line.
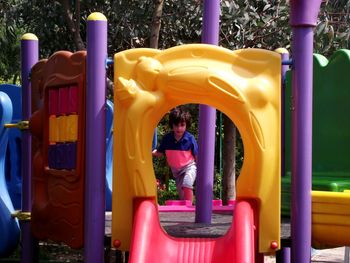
[62, 127]
[71, 156]
[53, 101]
[52, 156]
[63, 96]
[60, 156]
[73, 99]
[53, 129]
[72, 128]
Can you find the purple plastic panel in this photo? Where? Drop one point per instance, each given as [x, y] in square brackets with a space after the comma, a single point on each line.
[63, 100]
[71, 156]
[73, 99]
[53, 101]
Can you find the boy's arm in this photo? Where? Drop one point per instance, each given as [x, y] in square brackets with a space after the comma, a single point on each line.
[195, 149]
[155, 153]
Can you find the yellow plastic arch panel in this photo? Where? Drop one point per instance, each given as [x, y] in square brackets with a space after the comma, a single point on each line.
[330, 213]
[244, 84]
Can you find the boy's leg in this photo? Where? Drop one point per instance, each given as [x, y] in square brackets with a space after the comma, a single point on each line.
[188, 193]
[188, 181]
[179, 182]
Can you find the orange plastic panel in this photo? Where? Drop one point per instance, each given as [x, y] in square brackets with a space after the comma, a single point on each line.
[58, 189]
[62, 128]
[72, 128]
[53, 129]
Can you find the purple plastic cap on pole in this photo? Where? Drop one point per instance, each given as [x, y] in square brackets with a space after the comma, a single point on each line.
[303, 18]
[304, 12]
[95, 184]
[29, 56]
[207, 116]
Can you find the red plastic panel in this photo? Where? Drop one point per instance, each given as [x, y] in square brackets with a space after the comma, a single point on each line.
[59, 168]
[151, 244]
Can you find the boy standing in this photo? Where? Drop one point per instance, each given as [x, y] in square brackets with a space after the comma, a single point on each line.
[180, 149]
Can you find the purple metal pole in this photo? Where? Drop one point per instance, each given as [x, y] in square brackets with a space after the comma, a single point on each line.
[207, 116]
[283, 256]
[284, 56]
[303, 19]
[29, 56]
[95, 139]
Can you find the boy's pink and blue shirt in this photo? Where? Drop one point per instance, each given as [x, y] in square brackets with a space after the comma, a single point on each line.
[179, 153]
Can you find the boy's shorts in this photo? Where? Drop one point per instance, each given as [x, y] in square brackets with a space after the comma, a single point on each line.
[185, 177]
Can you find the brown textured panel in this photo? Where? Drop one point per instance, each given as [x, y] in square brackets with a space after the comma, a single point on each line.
[58, 194]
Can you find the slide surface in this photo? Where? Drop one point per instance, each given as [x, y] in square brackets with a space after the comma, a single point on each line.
[151, 244]
[9, 230]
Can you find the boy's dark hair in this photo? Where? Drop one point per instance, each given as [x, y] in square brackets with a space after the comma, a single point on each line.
[178, 115]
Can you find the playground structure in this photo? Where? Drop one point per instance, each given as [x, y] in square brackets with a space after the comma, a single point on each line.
[251, 85]
[13, 157]
[149, 83]
[9, 227]
[330, 172]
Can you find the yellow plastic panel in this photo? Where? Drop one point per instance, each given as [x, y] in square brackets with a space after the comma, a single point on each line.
[244, 84]
[72, 128]
[330, 214]
[62, 129]
[53, 129]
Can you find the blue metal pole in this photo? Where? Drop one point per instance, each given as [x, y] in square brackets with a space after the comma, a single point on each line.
[95, 139]
[207, 116]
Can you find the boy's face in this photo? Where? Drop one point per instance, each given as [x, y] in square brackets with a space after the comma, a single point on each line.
[179, 129]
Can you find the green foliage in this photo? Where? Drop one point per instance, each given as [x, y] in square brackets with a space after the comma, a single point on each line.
[333, 31]
[181, 23]
[217, 186]
[255, 23]
[9, 43]
[166, 191]
[244, 24]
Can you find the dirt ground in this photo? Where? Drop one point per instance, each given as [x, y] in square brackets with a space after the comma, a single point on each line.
[59, 253]
[176, 224]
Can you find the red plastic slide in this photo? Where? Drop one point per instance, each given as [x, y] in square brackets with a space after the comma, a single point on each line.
[151, 244]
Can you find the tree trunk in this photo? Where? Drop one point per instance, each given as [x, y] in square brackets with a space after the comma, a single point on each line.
[73, 26]
[229, 161]
[156, 21]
